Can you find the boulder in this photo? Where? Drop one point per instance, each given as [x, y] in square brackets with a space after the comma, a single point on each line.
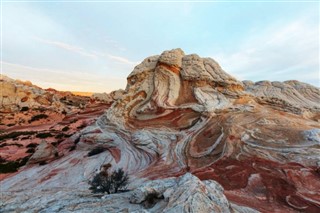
[44, 153]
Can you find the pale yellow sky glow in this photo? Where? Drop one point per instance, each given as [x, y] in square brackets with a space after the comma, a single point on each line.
[63, 80]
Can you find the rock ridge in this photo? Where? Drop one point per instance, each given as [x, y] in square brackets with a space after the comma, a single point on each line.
[183, 122]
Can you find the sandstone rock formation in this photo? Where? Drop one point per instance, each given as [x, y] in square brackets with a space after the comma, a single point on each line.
[29, 114]
[184, 194]
[44, 152]
[108, 98]
[291, 96]
[16, 94]
[183, 114]
[102, 96]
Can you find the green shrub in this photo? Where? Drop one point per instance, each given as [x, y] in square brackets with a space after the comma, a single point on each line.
[11, 144]
[23, 109]
[73, 121]
[59, 136]
[41, 163]
[13, 166]
[119, 179]
[32, 145]
[13, 135]
[38, 117]
[66, 128]
[81, 126]
[9, 167]
[44, 135]
[102, 182]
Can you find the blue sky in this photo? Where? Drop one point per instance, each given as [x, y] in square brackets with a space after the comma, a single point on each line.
[93, 46]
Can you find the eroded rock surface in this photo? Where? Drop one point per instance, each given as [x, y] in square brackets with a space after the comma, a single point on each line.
[44, 152]
[184, 194]
[29, 114]
[292, 96]
[16, 94]
[183, 114]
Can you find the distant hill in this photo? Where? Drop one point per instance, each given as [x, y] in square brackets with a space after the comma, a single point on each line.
[87, 94]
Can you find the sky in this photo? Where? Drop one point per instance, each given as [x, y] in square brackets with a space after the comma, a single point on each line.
[93, 46]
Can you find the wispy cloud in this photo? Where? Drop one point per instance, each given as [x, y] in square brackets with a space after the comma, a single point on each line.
[280, 52]
[122, 59]
[82, 51]
[70, 80]
[68, 47]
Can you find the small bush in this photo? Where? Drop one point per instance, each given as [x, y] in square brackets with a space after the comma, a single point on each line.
[13, 166]
[73, 121]
[59, 136]
[114, 183]
[41, 163]
[23, 109]
[38, 117]
[9, 167]
[66, 128]
[11, 144]
[13, 135]
[44, 135]
[120, 180]
[32, 145]
[96, 150]
[25, 138]
[81, 126]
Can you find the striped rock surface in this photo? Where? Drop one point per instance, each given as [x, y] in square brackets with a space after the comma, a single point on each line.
[181, 115]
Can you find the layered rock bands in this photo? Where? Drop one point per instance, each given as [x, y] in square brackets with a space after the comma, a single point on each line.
[183, 115]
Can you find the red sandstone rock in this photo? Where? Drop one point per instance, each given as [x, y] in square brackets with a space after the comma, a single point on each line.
[182, 113]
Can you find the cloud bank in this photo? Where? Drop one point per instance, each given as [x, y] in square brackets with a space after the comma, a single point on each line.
[280, 52]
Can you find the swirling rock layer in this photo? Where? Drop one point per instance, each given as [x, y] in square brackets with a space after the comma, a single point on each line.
[183, 114]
